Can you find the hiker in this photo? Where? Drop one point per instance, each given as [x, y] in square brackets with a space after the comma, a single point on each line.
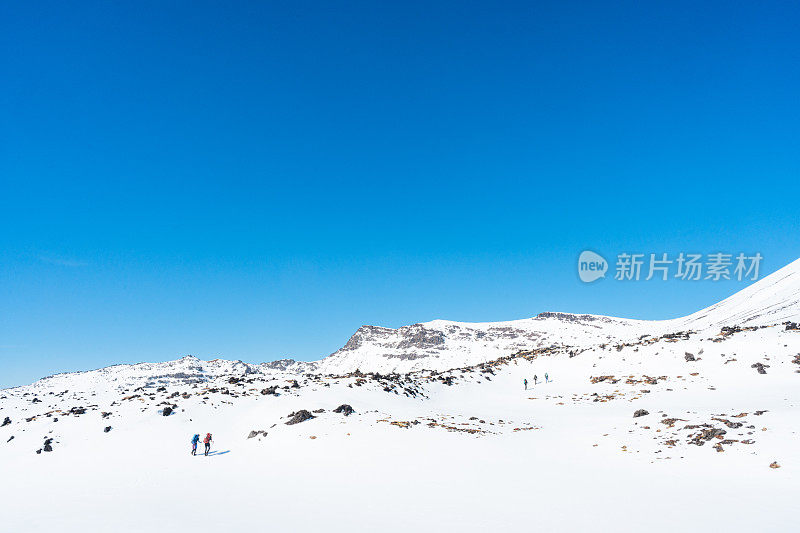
[207, 442]
[525, 381]
[195, 440]
[546, 378]
[535, 379]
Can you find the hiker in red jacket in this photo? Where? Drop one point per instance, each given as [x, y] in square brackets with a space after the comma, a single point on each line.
[207, 442]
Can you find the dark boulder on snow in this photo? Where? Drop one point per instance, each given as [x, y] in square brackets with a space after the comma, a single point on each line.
[10, 438]
[689, 356]
[106, 429]
[256, 433]
[270, 391]
[167, 411]
[299, 416]
[6, 422]
[345, 409]
[48, 445]
[760, 368]
[706, 435]
[640, 412]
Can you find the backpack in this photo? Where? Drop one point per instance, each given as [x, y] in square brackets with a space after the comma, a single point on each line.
[207, 439]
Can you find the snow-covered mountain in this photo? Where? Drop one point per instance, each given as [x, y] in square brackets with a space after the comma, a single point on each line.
[443, 344]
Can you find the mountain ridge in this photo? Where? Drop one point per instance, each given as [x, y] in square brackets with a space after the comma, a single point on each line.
[443, 344]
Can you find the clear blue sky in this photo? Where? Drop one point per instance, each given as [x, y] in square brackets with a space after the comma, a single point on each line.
[257, 180]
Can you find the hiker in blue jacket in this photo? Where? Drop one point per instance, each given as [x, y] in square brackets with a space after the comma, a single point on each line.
[195, 440]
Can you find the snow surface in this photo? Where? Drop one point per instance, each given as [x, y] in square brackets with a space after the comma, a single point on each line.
[454, 443]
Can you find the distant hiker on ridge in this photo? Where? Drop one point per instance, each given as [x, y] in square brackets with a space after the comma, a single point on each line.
[525, 381]
[535, 379]
[546, 378]
[195, 440]
[207, 442]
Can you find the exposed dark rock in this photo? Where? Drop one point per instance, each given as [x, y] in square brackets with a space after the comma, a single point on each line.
[760, 367]
[640, 412]
[706, 435]
[10, 438]
[256, 433]
[48, 445]
[270, 391]
[299, 416]
[689, 356]
[6, 422]
[167, 411]
[106, 429]
[732, 425]
[345, 409]
[318, 411]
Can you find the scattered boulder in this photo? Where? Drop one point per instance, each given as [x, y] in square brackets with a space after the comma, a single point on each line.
[256, 433]
[345, 409]
[774, 464]
[10, 438]
[318, 411]
[299, 416]
[706, 435]
[167, 411]
[106, 429]
[48, 445]
[640, 412]
[6, 422]
[689, 356]
[760, 367]
[270, 391]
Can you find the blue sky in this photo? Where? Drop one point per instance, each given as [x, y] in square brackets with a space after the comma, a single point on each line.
[257, 180]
